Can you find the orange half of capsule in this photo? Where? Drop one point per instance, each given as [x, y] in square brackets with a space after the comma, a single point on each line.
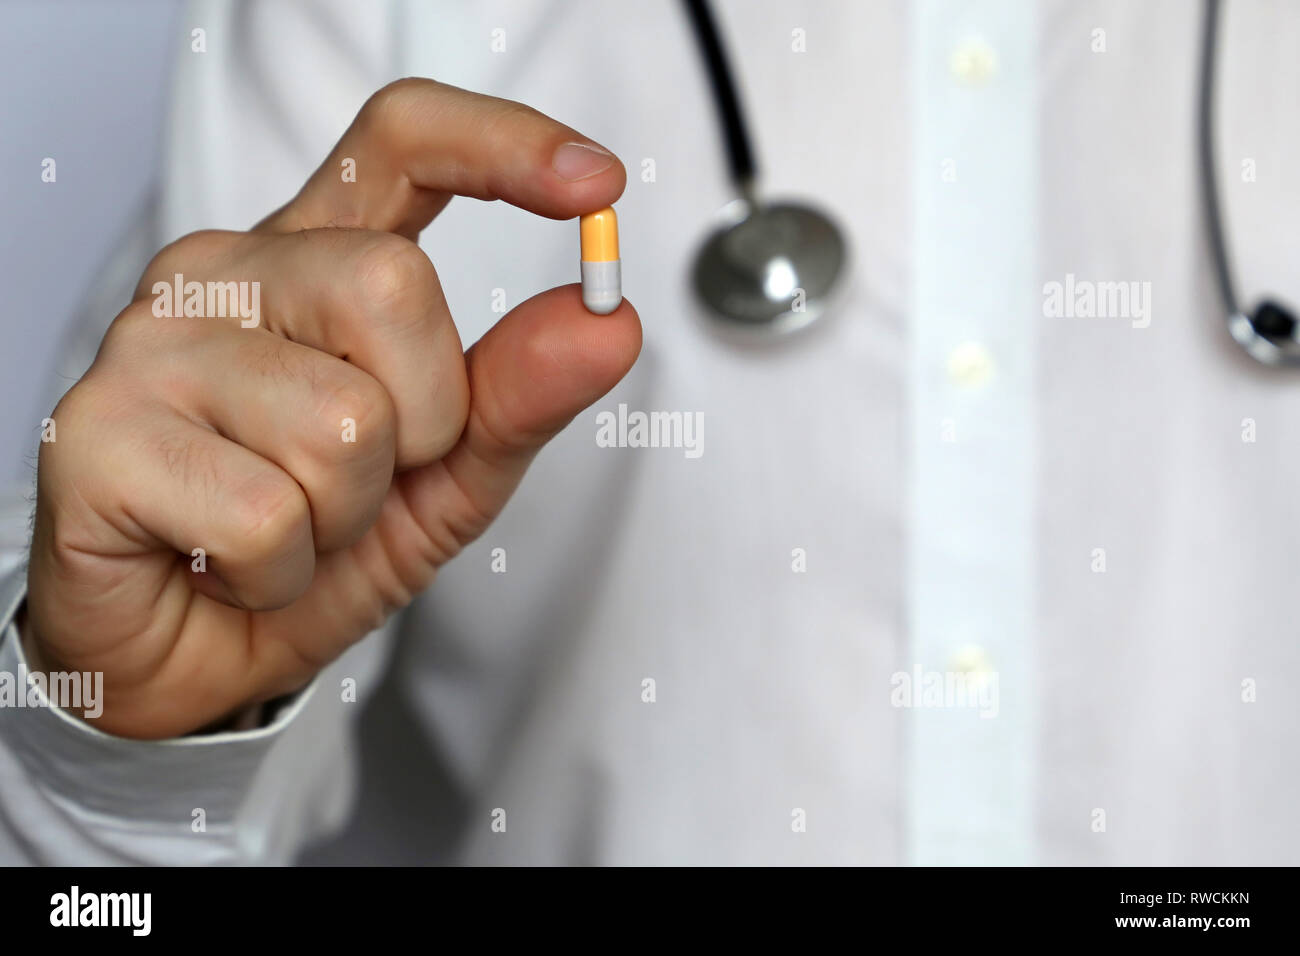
[599, 236]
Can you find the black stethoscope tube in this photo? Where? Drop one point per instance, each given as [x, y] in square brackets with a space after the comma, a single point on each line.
[740, 154]
[1205, 146]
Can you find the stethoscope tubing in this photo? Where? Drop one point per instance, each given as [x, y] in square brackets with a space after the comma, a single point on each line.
[740, 152]
[1205, 151]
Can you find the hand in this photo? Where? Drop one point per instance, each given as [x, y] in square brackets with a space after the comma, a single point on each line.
[200, 433]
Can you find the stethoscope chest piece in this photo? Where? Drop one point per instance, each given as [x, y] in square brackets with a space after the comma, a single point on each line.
[769, 268]
[1268, 334]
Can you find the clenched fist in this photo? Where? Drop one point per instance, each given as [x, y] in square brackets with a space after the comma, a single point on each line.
[322, 464]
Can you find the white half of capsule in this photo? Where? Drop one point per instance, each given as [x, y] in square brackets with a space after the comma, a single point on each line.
[602, 286]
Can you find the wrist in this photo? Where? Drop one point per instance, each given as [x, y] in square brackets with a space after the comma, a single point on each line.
[39, 661]
[246, 718]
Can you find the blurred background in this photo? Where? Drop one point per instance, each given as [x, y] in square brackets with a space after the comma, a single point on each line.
[102, 123]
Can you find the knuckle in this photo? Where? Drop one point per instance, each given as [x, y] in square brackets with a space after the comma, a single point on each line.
[94, 415]
[77, 413]
[394, 275]
[271, 517]
[357, 413]
[391, 104]
[82, 404]
[135, 328]
[453, 404]
[192, 251]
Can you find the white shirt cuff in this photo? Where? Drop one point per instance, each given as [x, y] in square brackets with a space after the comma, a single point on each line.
[138, 781]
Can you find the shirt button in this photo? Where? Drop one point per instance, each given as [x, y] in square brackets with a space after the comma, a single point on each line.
[971, 660]
[973, 62]
[970, 365]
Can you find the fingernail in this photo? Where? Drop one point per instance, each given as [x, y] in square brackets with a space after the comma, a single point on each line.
[574, 161]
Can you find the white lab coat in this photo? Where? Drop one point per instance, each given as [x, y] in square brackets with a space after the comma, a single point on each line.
[1074, 505]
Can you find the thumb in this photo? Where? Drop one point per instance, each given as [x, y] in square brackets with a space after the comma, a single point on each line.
[543, 363]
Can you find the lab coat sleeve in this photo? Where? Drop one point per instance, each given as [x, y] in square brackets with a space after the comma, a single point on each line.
[74, 795]
[70, 794]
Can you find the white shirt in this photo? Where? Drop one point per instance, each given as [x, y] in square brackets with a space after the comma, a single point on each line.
[1064, 509]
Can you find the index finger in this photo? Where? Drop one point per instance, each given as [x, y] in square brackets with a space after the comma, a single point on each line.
[417, 142]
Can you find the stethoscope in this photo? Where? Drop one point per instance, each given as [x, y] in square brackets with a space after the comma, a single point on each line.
[1268, 331]
[768, 267]
[774, 267]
